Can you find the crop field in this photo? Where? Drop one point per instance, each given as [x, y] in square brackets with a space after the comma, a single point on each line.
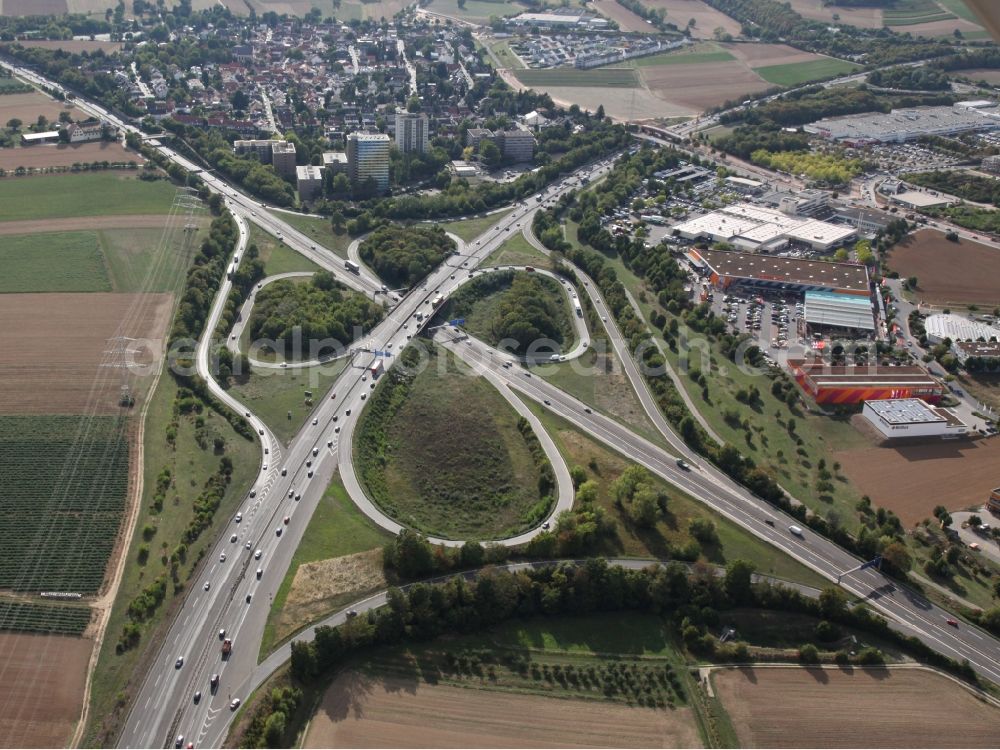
[41, 694]
[697, 86]
[53, 262]
[85, 194]
[911, 12]
[943, 268]
[946, 26]
[799, 707]
[64, 154]
[33, 617]
[707, 19]
[626, 19]
[59, 523]
[476, 11]
[27, 108]
[792, 74]
[597, 77]
[865, 17]
[685, 57]
[911, 480]
[51, 363]
[603, 680]
[71, 45]
[484, 482]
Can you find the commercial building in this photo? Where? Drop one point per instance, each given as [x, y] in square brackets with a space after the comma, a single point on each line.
[368, 156]
[475, 136]
[902, 125]
[805, 203]
[49, 136]
[309, 181]
[517, 145]
[463, 169]
[283, 158]
[912, 418]
[988, 352]
[411, 132]
[769, 273]
[863, 219]
[956, 328]
[838, 313]
[752, 227]
[851, 385]
[259, 146]
[917, 199]
[335, 161]
[993, 501]
[569, 18]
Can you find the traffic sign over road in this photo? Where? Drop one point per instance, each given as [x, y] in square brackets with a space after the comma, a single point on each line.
[457, 322]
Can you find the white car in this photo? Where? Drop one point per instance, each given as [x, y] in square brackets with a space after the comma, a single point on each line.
[256, 555]
[222, 557]
[795, 530]
[207, 585]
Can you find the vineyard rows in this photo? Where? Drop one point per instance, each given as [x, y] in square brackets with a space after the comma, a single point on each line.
[62, 500]
[67, 619]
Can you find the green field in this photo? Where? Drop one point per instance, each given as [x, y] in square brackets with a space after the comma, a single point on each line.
[336, 528]
[273, 394]
[277, 256]
[960, 9]
[517, 251]
[319, 229]
[440, 452]
[910, 12]
[792, 74]
[505, 55]
[120, 260]
[595, 78]
[477, 11]
[91, 194]
[53, 262]
[681, 58]
[191, 466]
[59, 525]
[470, 229]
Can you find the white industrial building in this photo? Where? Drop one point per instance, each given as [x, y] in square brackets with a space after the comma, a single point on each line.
[902, 125]
[955, 327]
[750, 227]
[911, 417]
[841, 312]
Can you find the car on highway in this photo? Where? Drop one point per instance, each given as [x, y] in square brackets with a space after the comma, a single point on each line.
[769, 522]
[222, 557]
[682, 464]
[197, 696]
[253, 493]
[207, 585]
[249, 597]
[256, 555]
[287, 519]
[179, 742]
[795, 530]
[260, 572]
[248, 545]
[284, 471]
[235, 704]
[277, 531]
[316, 421]
[547, 402]
[239, 517]
[233, 538]
[222, 634]
[952, 621]
[179, 663]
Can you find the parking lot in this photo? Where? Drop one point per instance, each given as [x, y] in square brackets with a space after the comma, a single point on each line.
[771, 320]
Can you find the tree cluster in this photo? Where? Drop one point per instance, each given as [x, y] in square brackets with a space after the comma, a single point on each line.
[402, 255]
[321, 309]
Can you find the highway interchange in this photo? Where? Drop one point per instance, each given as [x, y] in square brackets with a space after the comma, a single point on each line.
[229, 595]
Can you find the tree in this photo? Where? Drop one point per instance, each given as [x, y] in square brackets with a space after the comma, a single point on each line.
[14, 124]
[738, 581]
[600, 112]
[832, 603]
[413, 104]
[578, 474]
[274, 729]
[808, 654]
[490, 154]
[896, 555]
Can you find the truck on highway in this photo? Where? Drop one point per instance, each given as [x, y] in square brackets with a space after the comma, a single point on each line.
[577, 307]
[227, 647]
[437, 300]
[376, 368]
[351, 266]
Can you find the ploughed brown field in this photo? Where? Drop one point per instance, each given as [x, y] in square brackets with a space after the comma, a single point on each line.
[949, 272]
[700, 86]
[626, 19]
[41, 690]
[361, 711]
[912, 480]
[800, 707]
[33, 7]
[27, 107]
[51, 359]
[83, 223]
[866, 17]
[72, 45]
[64, 154]
[761, 55]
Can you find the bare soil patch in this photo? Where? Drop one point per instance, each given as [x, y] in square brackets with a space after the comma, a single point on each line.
[27, 107]
[34, 7]
[65, 155]
[319, 587]
[83, 223]
[626, 19]
[865, 17]
[698, 86]
[51, 359]
[911, 480]
[72, 45]
[799, 707]
[41, 690]
[949, 272]
[760, 55]
[706, 18]
[362, 711]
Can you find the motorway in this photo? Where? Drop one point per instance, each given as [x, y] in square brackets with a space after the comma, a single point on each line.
[234, 600]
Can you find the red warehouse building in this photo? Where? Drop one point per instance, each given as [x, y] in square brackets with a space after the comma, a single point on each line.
[844, 386]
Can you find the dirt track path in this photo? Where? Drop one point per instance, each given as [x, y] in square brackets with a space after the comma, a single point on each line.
[78, 223]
